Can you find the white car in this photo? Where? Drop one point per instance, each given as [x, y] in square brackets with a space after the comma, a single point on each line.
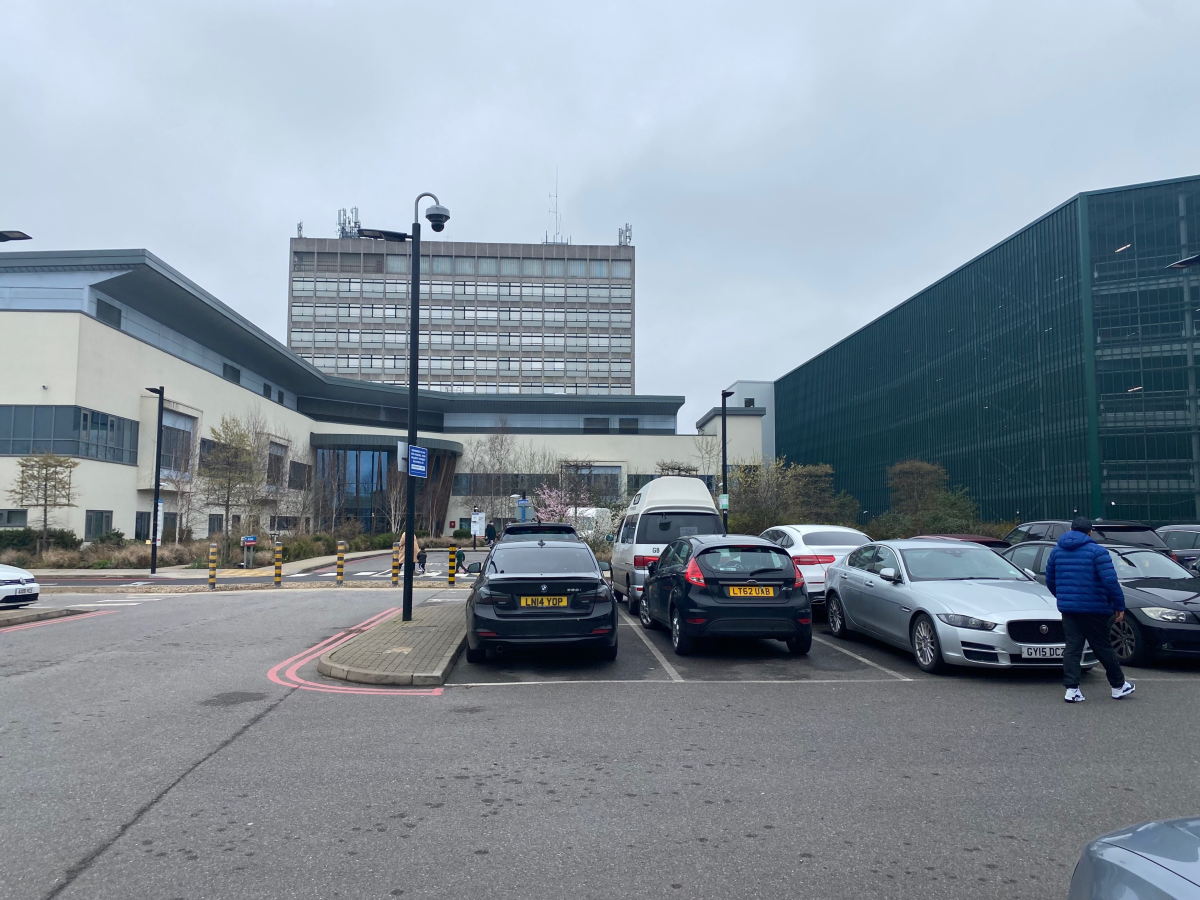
[17, 587]
[814, 548]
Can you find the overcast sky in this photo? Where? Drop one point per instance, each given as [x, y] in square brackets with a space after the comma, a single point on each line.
[791, 170]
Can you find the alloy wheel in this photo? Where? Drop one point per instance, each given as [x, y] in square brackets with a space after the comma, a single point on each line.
[644, 616]
[1124, 641]
[925, 643]
[675, 630]
[833, 612]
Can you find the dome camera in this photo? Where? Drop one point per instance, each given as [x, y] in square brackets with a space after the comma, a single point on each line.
[438, 216]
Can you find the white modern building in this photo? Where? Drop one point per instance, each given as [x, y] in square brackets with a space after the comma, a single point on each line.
[97, 328]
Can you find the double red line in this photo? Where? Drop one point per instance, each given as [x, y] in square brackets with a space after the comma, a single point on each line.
[99, 612]
[287, 673]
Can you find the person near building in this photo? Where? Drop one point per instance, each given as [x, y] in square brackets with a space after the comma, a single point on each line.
[1081, 577]
[490, 533]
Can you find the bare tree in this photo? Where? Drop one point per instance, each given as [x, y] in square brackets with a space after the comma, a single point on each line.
[708, 449]
[44, 481]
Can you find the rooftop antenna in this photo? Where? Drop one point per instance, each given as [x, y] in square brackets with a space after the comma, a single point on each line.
[348, 224]
[625, 235]
[556, 217]
[300, 229]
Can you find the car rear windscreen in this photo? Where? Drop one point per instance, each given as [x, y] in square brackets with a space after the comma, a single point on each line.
[530, 559]
[664, 527]
[747, 561]
[834, 539]
[1134, 536]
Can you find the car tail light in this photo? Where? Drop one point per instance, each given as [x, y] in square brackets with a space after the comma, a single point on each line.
[696, 620]
[799, 578]
[805, 620]
[484, 596]
[813, 560]
[642, 562]
[692, 574]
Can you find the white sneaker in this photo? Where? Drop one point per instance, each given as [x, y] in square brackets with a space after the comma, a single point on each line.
[1074, 695]
[1124, 691]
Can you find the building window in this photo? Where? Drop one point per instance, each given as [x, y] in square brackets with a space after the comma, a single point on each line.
[595, 425]
[216, 524]
[67, 431]
[622, 268]
[96, 522]
[299, 476]
[177, 440]
[397, 265]
[351, 262]
[749, 402]
[577, 268]
[598, 268]
[532, 267]
[14, 518]
[279, 396]
[464, 265]
[170, 523]
[486, 265]
[266, 390]
[107, 313]
[627, 426]
[232, 373]
[304, 262]
[443, 265]
[141, 526]
[276, 456]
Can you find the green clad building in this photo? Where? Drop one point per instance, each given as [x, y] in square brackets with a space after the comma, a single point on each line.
[1053, 375]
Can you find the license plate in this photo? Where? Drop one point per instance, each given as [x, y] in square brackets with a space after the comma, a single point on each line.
[24, 590]
[1045, 652]
[748, 591]
[544, 602]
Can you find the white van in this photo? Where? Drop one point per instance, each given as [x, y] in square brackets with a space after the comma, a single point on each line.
[665, 509]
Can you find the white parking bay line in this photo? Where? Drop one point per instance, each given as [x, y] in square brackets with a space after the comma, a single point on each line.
[862, 659]
[667, 667]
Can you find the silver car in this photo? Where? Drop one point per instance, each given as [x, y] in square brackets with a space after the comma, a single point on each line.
[1153, 861]
[949, 602]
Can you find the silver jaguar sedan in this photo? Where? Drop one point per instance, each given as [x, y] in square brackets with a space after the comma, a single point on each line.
[949, 602]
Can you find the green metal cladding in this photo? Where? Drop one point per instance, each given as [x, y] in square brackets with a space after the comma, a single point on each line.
[1052, 375]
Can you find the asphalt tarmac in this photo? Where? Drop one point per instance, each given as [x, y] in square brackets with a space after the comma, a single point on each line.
[159, 749]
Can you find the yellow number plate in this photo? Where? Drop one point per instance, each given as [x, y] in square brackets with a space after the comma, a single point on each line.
[752, 592]
[544, 601]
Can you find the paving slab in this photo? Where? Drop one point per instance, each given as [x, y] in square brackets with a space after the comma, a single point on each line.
[419, 652]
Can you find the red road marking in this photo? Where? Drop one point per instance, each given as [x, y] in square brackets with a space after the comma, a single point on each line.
[101, 612]
[291, 677]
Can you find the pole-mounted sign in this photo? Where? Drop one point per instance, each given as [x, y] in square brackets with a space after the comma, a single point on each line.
[418, 461]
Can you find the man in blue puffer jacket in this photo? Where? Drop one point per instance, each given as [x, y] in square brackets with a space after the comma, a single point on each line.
[1081, 577]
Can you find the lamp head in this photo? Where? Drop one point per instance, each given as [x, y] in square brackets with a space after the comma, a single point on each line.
[438, 216]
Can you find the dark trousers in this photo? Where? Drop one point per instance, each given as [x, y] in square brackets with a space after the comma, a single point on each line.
[1093, 628]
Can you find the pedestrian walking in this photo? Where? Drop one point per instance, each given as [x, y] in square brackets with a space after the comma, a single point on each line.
[421, 557]
[490, 533]
[1081, 577]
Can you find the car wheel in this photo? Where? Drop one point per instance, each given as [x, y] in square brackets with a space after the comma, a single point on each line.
[801, 644]
[836, 616]
[609, 653]
[1129, 642]
[476, 655]
[681, 643]
[926, 647]
[643, 611]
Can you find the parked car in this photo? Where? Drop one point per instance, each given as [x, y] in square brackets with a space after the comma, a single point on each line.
[1183, 542]
[981, 539]
[1159, 860]
[17, 588]
[540, 593]
[949, 602]
[536, 531]
[1131, 533]
[1162, 599]
[814, 548]
[727, 586]
[664, 510]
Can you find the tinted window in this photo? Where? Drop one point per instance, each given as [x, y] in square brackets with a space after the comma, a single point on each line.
[1055, 532]
[671, 556]
[627, 529]
[835, 539]
[534, 560]
[662, 528]
[884, 559]
[1147, 564]
[1024, 557]
[955, 564]
[1181, 540]
[859, 558]
[746, 561]
[1037, 531]
[1018, 534]
[1137, 538]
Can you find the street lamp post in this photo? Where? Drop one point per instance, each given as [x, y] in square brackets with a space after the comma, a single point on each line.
[154, 517]
[725, 395]
[438, 216]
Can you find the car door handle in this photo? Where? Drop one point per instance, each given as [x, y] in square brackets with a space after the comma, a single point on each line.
[870, 584]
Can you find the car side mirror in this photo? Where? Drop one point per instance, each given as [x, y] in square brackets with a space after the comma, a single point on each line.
[652, 568]
[474, 568]
[610, 538]
[605, 565]
[1032, 574]
[889, 574]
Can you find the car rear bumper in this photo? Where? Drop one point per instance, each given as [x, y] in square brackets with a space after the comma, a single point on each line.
[779, 621]
[597, 628]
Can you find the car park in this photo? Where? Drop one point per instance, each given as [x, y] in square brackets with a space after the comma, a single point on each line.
[1132, 533]
[1183, 541]
[1151, 861]
[540, 593]
[814, 548]
[1162, 600]
[949, 603]
[17, 587]
[727, 586]
[664, 510]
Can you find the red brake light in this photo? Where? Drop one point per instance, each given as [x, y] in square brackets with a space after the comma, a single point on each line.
[692, 573]
[813, 560]
[799, 578]
[642, 562]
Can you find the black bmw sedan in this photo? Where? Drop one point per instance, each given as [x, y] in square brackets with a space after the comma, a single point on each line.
[1163, 603]
[727, 585]
[538, 593]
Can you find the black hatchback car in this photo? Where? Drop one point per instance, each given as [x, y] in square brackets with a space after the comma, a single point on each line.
[727, 585]
[1161, 596]
[538, 593]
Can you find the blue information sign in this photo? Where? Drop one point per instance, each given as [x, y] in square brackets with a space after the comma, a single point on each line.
[418, 462]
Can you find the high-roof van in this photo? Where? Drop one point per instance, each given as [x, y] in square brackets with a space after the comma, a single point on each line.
[667, 508]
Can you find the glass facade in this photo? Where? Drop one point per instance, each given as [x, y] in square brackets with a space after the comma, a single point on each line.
[360, 484]
[67, 431]
[1053, 375]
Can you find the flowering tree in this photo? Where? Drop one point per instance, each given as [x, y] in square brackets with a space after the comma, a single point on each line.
[552, 504]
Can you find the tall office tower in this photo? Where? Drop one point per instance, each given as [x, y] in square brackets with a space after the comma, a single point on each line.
[495, 318]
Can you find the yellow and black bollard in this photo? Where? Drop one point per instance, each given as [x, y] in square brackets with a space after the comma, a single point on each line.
[212, 567]
[453, 565]
[278, 564]
[395, 564]
[341, 568]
